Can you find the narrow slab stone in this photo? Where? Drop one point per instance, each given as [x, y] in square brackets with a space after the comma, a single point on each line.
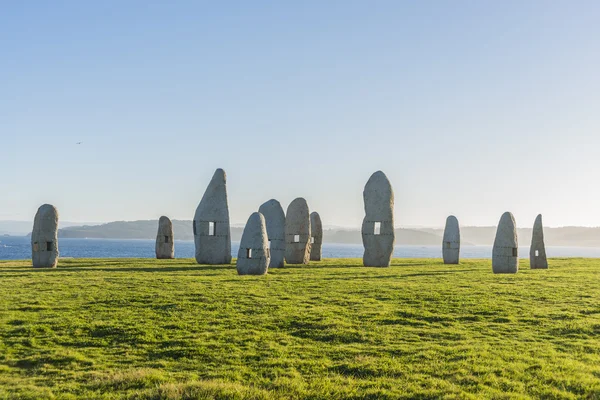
[253, 257]
[451, 241]
[212, 233]
[378, 225]
[537, 252]
[44, 237]
[297, 232]
[505, 254]
[165, 246]
[275, 220]
[316, 231]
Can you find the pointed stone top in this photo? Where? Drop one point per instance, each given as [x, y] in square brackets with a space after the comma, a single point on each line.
[378, 197]
[47, 210]
[451, 221]
[270, 204]
[164, 220]
[538, 220]
[506, 235]
[452, 230]
[298, 203]
[219, 175]
[315, 221]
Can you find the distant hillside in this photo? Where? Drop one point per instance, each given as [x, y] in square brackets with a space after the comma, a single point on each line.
[183, 231]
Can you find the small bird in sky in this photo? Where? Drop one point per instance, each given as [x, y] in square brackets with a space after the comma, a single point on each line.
[78, 142]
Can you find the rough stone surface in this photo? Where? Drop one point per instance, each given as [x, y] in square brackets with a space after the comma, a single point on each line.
[316, 230]
[213, 247]
[275, 220]
[505, 254]
[44, 237]
[165, 248]
[297, 232]
[378, 196]
[537, 252]
[253, 257]
[451, 241]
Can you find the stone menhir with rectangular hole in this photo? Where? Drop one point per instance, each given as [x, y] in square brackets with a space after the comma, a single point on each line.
[316, 241]
[537, 252]
[253, 257]
[297, 232]
[451, 241]
[378, 234]
[505, 254]
[275, 220]
[165, 248]
[212, 233]
[44, 237]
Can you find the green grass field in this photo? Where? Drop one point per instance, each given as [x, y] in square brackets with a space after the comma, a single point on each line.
[171, 329]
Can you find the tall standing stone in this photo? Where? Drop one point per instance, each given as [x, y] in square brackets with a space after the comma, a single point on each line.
[253, 256]
[275, 220]
[537, 252]
[212, 233]
[297, 232]
[165, 248]
[505, 254]
[378, 225]
[316, 230]
[44, 237]
[451, 241]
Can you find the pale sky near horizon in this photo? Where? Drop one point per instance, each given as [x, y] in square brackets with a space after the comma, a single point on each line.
[470, 108]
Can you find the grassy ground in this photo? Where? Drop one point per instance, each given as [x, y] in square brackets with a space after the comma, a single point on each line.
[170, 329]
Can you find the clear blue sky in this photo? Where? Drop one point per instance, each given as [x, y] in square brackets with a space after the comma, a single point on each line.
[471, 108]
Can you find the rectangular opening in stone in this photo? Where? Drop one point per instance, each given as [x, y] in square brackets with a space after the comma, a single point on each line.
[537, 253]
[166, 239]
[248, 253]
[515, 252]
[312, 239]
[36, 246]
[377, 229]
[269, 244]
[49, 246]
[194, 227]
[211, 228]
[296, 238]
[448, 244]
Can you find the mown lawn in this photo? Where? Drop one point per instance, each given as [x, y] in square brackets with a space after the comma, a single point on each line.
[170, 329]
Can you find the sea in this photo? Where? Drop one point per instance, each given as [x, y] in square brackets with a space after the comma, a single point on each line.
[18, 248]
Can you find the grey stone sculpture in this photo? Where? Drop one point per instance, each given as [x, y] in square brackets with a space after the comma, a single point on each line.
[316, 241]
[378, 225]
[253, 257]
[297, 232]
[505, 254]
[44, 237]
[165, 248]
[212, 233]
[537, 252]
[451, 241]
[275, 220]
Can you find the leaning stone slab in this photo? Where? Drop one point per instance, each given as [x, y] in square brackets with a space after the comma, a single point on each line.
[451, 241]
[316, 230]
[212, 233]
[275, 220]
[44, 237]
[378, 225]
[253, 257]
[165, 248]
[505, 254]
[537, 252]
[297, 232]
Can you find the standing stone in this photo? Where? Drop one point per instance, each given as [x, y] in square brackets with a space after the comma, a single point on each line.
[275, 220]
[44, 237]
[316, 241]
[297, 232]
[378, 225]
[165, 248]
[451, 241]
[212, 234]
[537, 252]
[253, 256]
[505, 255]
